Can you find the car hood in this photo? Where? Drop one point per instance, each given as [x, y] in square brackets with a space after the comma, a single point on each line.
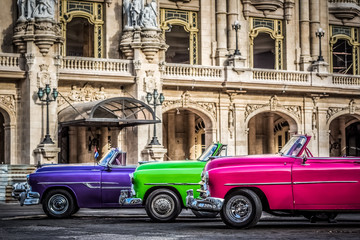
[247, 160]
[68, 167]
[171, 164]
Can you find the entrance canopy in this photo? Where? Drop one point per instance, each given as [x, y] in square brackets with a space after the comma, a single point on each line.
[114, 112]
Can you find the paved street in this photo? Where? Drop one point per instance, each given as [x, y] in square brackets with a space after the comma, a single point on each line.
[30, 223]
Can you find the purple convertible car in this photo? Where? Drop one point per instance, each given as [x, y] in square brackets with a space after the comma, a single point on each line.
[64, 189]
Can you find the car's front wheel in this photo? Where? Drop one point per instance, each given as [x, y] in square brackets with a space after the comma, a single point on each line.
[241, 209]
[163, 205]
[58, 203]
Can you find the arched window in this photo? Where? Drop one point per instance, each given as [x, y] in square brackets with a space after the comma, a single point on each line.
[266, 43]
[344, 45]
[180, 29]
[82, 28]
[80, 38]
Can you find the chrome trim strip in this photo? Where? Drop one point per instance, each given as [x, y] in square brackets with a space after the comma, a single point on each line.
[164, 184]
[274, 183]
[116, 188]
[317, 182]
[88, 184]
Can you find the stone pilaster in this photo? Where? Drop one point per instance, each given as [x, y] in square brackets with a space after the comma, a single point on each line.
[82, 145]
[221, 31]
[323, 139]
[241, 132]
[73, 143]
[191, 135]
[304, 35]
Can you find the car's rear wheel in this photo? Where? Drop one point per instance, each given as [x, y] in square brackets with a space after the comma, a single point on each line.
[58, 203]
[163, 205]
[202, 214]
[241, 209]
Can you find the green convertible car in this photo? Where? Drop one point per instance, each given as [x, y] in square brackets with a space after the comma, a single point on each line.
[162, 186]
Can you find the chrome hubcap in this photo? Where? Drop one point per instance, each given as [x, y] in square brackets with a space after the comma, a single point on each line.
[162, 205]
[58, 204]
[239, 208]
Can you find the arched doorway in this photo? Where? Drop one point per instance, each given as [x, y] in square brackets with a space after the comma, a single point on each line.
[269, 131]
[2, 139]
[185, 134]
[344, 136]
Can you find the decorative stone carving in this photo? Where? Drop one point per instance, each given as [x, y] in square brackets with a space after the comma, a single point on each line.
[43, 76]
[331, 111]
[352, 106]
[231, 124]
[36, 23]
[85, 94]
[8, 101]
[251, 108]
[186, 102]
[273, 102]
[29, 60]
[267, 6]
[149, 81]
[295, 110]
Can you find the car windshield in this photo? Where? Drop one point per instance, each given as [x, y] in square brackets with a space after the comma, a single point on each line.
[293, 146]
[107, 157]
[208, 152]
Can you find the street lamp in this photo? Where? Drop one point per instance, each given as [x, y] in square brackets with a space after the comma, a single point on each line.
[155, 97]
[236, 26]
[320, 33]
[54, 94]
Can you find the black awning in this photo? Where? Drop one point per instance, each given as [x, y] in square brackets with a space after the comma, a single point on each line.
[114, 112]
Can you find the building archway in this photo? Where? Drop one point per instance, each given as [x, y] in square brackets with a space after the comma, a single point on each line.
[269, 131]
[186, 132]
[7, 136]
[344, 135]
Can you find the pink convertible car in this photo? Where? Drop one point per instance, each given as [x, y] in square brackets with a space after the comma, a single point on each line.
[291, 182]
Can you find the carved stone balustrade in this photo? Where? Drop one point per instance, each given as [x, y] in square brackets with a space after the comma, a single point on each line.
[10, 65]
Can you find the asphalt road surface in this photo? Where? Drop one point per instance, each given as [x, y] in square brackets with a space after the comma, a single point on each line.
[98, 224]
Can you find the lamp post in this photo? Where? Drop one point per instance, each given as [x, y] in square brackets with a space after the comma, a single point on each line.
[54, 94]
[320, 33]
[155, 97]
[236, 26]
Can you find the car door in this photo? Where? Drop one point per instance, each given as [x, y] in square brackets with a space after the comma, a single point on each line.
[114, 178]
[326, 183]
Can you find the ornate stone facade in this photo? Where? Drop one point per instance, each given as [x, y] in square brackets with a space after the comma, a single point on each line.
[223, 96]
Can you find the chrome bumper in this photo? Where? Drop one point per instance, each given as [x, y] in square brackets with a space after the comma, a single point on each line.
[209, 204]
[22, 192]
[126, 198]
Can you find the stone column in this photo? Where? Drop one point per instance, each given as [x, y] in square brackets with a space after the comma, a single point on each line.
[73, 153]
[104, 146]
[191, 135]
[82, 145]
[171, 134]
[304, 35]
[343, 136]
[270, 133]
[210, 134]
[231, 18]
[314, 25]
[323, 139]
[252, 136]
[241, 131]
[221, 31]
[114, 137]
[10, 146]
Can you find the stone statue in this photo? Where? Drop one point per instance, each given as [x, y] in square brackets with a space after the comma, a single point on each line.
[21, 7]
[149, 16]
[45, 9]
[136, 9]
[126, 13]
[31, 6]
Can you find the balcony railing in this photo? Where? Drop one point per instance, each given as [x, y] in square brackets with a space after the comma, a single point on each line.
[280, 76]
[193, 71]
[345, 80]
[9, 61]
[91, 65]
